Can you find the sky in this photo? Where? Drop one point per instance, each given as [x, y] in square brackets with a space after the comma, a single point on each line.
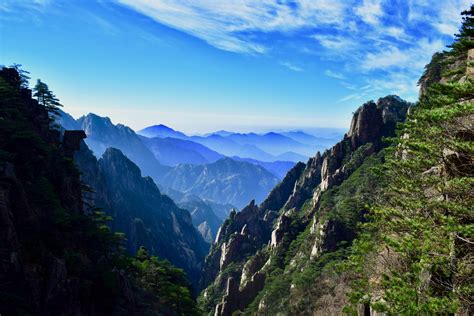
[205, 65]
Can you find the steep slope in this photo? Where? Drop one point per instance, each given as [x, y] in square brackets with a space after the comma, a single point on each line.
[139, 210]
[250, 250]
[207, 215]
[172, 151]
[55, 258]
[224, 181]
[102, 134]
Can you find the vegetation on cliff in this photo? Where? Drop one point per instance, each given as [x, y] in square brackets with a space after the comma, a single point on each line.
[55, 258]
[416, 254]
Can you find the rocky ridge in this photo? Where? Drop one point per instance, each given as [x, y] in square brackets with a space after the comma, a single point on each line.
[245, 242]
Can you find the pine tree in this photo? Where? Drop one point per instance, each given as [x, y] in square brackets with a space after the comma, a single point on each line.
[465, 38]
[46, 97]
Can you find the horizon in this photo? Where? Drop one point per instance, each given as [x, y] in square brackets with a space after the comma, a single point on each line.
[311, 130]
[257, 66]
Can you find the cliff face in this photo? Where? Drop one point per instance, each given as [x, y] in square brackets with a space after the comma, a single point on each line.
[147, 217]
[253, 243]
[46, 240]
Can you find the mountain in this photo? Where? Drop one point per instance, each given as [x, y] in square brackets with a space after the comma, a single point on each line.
[222, 133]
[57, 258]
[102, 134]
[173, 151]
[259, 250]
[291, 156]
[203, 216]
[320, 143]
[278, 168]
[67, 121]
[161, 131]
[224, 181]
[268, 147]
[272, 143]
[147, 217]
[154, 154]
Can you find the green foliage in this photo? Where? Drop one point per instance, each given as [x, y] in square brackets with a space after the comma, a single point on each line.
[166, 283]
[214, 293]
[465, 37]
[421, 230]
[292, 272]
[348, 202]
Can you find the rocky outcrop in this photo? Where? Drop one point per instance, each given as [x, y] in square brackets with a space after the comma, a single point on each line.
[291, 206]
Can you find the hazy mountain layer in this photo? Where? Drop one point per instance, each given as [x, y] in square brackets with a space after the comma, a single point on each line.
[173, 151]
[224, 181]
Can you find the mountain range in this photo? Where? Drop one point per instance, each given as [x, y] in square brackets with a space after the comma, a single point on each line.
[291, 146]
[224, 181]
[96, 219]
[193, 174]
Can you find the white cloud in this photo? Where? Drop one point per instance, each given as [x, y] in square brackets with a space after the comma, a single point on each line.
[333, 74]
[370, 11]
[226, 24]
[411, 58]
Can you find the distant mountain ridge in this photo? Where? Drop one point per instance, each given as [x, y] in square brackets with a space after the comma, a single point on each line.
[173, 151]
[224, 181]
[161, 131]
[267, 147]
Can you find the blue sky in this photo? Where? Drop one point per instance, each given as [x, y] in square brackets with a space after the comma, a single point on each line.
[243, 65]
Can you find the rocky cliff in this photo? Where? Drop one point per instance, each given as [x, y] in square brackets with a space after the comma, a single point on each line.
[51, 259]
[252, 244]
[147, 217]
[57, 254]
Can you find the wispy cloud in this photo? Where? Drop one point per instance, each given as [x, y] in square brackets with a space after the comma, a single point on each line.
[371, 38]
[229, 25]
[353, 96]
[370, 11]
[291, 66]
[334, 74]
